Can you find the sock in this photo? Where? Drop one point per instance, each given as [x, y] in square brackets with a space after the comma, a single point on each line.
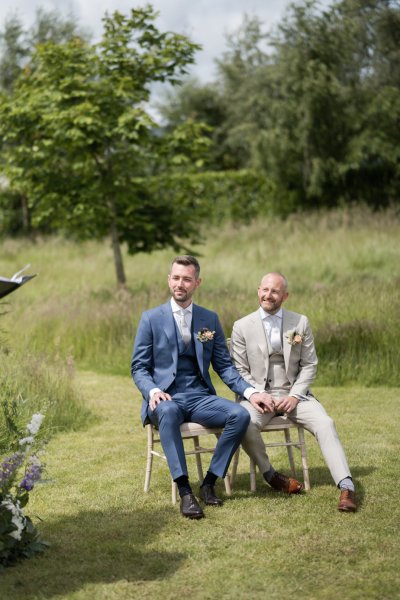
[268, 475]
[209, 479]
[346, 484]
[183, 485]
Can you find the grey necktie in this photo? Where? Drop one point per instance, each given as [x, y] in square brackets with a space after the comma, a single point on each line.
[184, 329]
[274, 332]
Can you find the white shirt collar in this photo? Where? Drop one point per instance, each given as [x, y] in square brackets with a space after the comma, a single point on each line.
[176, 308]
[265, 315]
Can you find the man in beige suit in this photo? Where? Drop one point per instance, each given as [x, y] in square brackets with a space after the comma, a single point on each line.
[273, 349]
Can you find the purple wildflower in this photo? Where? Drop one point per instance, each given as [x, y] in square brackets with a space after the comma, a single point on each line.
[32, 474]
[10, 465]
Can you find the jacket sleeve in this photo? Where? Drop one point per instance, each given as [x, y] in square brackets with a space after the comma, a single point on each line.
[142, 366]
[238, 352]
[223, 365]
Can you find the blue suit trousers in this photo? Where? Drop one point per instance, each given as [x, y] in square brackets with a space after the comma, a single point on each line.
[207, 410]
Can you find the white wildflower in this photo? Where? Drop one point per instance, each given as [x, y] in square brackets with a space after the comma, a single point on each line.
[26, 440]
[17, 518]
[36, 421]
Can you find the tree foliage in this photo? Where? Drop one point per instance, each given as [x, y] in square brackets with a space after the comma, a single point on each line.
[315, 104]
[80, 136]
[17, 44]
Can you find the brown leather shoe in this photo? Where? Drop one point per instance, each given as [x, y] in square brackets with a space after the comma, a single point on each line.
[347, 501]
[190, 508]
[207, 493]
[289, 485]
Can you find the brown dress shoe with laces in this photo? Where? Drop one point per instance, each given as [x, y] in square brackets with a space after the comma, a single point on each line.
[347, 501]
[289, 485]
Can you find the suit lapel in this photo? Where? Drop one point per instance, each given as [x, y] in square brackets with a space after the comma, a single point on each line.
[257, 331]
[168, 325]
[198, 322]
[288, 324]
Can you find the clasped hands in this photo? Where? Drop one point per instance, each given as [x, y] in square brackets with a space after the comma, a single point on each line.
[264, 402]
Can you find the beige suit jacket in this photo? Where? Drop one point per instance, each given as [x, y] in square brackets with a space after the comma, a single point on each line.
[250, 351]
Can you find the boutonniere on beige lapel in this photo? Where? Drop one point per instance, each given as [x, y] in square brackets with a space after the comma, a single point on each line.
[205, 335]
[294, 338]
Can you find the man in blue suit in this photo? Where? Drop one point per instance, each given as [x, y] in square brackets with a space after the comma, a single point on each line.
[174, 347]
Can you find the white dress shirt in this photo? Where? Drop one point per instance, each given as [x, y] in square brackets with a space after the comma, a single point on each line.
[273, 328]
[177, 311]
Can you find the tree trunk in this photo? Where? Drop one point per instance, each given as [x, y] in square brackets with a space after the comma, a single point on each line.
[118, 261]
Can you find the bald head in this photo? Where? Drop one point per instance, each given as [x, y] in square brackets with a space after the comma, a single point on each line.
[272, 292]
[276, 274]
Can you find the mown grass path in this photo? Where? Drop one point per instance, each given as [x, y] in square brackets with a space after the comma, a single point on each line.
[110, 541]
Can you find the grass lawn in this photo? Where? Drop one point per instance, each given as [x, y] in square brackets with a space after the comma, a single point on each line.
[110, 541]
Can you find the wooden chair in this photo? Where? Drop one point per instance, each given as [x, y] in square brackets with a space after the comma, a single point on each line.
[276, 424]
[188, 431]
[285, 425]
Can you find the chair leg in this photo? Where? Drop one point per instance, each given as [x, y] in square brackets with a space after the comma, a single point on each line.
[235, 463]
[253, 485]
[304, 461]
[228, 487]
[196, 443]
[174, 491]
[290, 452]
[149, 462]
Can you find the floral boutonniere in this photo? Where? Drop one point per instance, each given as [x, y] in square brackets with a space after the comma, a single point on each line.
[294, 338]
[205, 335]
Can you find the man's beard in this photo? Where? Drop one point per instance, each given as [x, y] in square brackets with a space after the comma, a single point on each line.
[182, 297]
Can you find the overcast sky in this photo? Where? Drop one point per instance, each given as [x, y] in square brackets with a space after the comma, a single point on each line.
[206, 22]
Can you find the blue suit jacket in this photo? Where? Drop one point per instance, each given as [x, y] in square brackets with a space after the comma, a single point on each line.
[155, 352]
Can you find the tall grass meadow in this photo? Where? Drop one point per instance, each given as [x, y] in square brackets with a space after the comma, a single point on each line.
[342, 266]
[32, 384]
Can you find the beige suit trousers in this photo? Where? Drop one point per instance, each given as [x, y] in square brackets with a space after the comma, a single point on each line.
[313, 417]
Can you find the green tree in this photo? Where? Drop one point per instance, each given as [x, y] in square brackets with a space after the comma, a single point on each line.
[314, 104]
[14, 50]
[236, 105]
[202, 104]
[371, 169]
[17, 44]
[330, 143]
[244, 73]
[83, 145]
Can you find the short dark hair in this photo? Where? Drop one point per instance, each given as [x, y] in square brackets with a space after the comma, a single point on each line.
[187, 260]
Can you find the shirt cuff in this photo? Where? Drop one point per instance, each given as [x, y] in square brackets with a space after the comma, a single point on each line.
[153, 391]
[248, 392]
[299, 397]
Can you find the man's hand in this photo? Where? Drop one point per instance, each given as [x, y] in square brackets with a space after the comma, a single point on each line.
[158, 397]
[285, 404]
[262, 402]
